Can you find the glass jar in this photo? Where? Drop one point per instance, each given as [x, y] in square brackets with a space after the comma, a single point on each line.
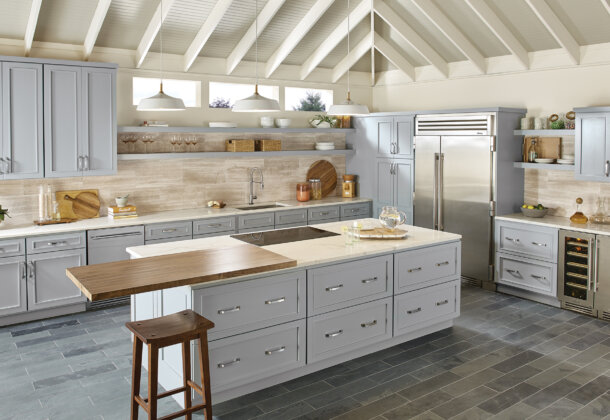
[316, 188]
[303, 192]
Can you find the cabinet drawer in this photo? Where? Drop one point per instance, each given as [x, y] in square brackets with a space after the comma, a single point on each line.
[532, 275]
[424, 307]
[168, 240]
[323, 213]
[215, 225]
[12, 247]
[291, 217]
[355, 211]
[342, 331]
[211, 235]
[427, 266]
[247, 305]
[347, 284]
[258, 220]
[527, 240]
[249, 357]
[38, 244]
[168, 230]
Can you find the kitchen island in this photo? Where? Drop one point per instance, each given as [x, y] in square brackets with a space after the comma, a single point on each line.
[338, 303]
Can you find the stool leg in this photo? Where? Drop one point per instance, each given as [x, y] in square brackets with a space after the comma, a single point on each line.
[153, 364]
[136, 372]
[186, 375]
[204, 367]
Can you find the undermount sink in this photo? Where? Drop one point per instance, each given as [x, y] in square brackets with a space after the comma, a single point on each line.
[261, 206]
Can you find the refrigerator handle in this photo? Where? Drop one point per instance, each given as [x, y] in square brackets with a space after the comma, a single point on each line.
[596, 262]
[441, 221]
[592, 263]
[435, 192]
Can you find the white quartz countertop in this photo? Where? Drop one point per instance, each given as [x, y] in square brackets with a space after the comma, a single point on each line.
[557, 222]
[13, 231]
[313, 251]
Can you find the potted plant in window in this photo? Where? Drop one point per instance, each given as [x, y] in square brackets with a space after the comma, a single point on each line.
[3, 212]
[323, 121]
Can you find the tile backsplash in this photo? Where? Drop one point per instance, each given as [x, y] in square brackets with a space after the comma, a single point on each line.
[171, 184]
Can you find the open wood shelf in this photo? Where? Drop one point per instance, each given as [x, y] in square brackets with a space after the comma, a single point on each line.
[544, 166]
[137, 129]
[208, 155]
[547, 133]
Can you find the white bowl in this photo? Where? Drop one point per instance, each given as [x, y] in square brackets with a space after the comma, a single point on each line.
[218, 124]
[121, 201]
[544, 160]
[267, 122]
[283, 122]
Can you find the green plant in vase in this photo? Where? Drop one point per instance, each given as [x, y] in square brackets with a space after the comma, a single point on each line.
[3, 212]
[323, 121]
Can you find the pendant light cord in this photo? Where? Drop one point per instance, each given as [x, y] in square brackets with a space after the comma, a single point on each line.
[161, 47]
[348, 92]
[256, 44]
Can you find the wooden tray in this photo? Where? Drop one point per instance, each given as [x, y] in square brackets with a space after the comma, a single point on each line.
[383, 233]
[326, 173]
[53, 222]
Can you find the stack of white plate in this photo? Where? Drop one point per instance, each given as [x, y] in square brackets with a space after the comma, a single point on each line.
[565, 161]
[325, 145]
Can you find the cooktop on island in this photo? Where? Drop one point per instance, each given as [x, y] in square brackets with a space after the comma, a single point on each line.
[274, 237]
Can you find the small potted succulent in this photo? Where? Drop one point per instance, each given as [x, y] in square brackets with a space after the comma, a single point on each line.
[3, 212]
[323, 121]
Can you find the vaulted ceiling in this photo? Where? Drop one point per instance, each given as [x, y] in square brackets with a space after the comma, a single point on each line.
[407, 35]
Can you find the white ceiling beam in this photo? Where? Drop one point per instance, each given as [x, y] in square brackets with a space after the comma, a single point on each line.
[336, 36]
[152, 30]
[94, 27]
[452, 32]
[500, 30]
[352, 58]
[30, 29]
[294, 37]
[213, 19]
[393, 56]
[246, 42]
[556, 28]
[606, 5]
[411, 36]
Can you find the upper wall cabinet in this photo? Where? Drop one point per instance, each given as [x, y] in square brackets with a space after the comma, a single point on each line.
[592, 148]
[21, 137]
[80, 120]
[393, 135]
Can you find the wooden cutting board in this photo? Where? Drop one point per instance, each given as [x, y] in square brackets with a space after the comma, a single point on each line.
[383, 233]
[87, 205]
[325, 171]
[124, 278]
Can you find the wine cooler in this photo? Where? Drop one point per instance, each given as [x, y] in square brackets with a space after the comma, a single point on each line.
[584, 273]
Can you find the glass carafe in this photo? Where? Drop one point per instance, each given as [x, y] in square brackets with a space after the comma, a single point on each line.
[600, 213]
[390, 217]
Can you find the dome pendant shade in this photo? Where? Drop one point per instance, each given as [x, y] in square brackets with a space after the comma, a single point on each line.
[348, 107]
[161, 102]
[256, 103]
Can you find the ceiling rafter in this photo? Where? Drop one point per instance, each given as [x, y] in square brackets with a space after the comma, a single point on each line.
[335, 37]
[352, 58]
[452, 32]
[606, 5]
[213, 19]
[30, 29]
[561, 34]
[393, 56]
[500, 30]
[245, 43]
[94, 27]
[295, 36]
[152, 30]
[411, 36]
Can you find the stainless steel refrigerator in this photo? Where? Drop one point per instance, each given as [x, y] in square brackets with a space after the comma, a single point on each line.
[456, 181]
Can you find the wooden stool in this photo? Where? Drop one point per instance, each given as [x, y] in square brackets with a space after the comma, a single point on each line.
[181, 327]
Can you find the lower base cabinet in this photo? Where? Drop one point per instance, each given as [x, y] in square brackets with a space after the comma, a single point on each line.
[534, 276]
[13, 299]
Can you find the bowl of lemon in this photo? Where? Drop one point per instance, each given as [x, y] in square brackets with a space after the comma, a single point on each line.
[537, 211]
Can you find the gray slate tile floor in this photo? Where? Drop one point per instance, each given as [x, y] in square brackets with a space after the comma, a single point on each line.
[505, 358]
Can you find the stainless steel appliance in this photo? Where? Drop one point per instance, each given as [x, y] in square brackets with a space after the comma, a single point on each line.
[459, 159]
[584, 273]
[282, 236]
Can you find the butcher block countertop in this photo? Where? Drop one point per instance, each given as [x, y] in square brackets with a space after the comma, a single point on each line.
[124, 278]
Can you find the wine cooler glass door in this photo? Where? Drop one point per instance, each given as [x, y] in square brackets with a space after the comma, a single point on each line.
[576, 268]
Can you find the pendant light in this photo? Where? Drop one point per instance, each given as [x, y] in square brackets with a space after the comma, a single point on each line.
[161, 101]
[256, 102]
[348, 107]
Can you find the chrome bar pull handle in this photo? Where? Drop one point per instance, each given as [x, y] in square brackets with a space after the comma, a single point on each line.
[367, 281]
[9, 165]
[278, 300]
[607, 169]
[32, 270]
[168, 230]
[412, 270]
[414, 311]
[57, 243]
[515, 273]
[441, 175]
[590, 264]
[442, 302]
[513, 240]
[435, 192]
[86, 163]
[229, 310]
[23, 270]
[215, 225]
[229, 363]
[80, 163]
[334, 334]
[534, 276]
[275, 350]
[1, 166]
[334, 288]
[369, 324]
[538, 244]
[442, 263]
[596, 271]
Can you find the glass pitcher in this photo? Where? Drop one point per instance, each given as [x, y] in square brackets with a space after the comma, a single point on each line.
[390, 217]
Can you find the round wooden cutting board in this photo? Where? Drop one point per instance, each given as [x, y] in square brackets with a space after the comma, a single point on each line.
[325, 171]
[85, 205]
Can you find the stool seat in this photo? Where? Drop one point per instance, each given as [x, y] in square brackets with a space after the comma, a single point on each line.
[170, 329]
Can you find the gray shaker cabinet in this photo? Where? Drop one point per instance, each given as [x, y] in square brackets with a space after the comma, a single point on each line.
[47, 283]
[592, 146]
[393, 135]
[21, 121]
[395, 186]
[80, 121]
[13, 296]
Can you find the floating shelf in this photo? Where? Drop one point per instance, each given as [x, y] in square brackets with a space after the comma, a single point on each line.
[543, 166]
[134, 129]
[208, 155]
[548, 133]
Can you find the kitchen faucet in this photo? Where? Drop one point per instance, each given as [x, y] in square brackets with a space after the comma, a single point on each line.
[253, 197]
